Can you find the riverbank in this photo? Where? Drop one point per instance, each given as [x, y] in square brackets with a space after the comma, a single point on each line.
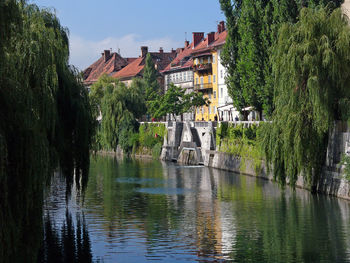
[331, 182]
[197, 142]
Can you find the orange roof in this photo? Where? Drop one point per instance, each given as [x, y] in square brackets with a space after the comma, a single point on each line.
[135, 68]
[131, 70]
[219, 39]
[113, 63]
[182, 60]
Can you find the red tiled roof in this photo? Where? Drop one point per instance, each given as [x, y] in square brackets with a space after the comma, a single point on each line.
[203, 46]
[131, 70]
[135, 68]
[221, 39]
[180, 61]
[113, 64]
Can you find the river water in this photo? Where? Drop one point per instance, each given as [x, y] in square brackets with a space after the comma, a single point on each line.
[145, 211]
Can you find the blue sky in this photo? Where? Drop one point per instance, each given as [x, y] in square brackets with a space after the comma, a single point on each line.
[128, 24]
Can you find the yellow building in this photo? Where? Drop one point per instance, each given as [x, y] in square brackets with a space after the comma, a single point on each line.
[205, 69]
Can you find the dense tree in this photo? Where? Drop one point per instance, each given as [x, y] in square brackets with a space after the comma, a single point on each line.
[311, 64]
[119, 107]
[252, 32]
[152, 88]
[176, 102]
[45, 123]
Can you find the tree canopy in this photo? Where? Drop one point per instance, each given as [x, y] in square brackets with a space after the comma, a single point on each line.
[176, 102]
[311, 65]
[253, 28]
[119, 107]
[152, 88]
[46, 120]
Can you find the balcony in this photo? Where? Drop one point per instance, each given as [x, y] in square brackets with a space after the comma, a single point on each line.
[203, 86]
[202, 67]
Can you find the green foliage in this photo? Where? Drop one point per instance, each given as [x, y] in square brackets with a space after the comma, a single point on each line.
[176, 102]
[46, 121]
[151, 134]
[241, 142]
[252, 33]
[152, 88]
[346, 162]
[156, 150]
[312, 68]
[119, 107]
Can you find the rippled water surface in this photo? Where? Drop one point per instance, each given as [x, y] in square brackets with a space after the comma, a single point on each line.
[137, 211]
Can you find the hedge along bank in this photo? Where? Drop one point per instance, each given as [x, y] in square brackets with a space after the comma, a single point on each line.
[242, 142]
[149, 139]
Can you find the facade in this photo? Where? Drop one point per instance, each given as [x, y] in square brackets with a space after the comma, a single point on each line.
[180, 73]
[135, 69]
[225, 109]
[109, 63]
[206, 70]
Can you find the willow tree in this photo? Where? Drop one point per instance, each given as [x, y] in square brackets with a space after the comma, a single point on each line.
[45, 121]
[247, 54]
[312, 73]
[119, 107]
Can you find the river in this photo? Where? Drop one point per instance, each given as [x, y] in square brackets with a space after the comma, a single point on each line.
[142, 210]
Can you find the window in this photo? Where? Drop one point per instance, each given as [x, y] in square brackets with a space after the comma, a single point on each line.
[209, 95]
[221, 74]
[214, 94]
[222, 92]
[184, 76]
[201, 60]
[196, 61]
[209, 109]
[209, 79]
[214, 78]
[202, 82]
[213, 59]
[209, 60]
[197, 110]
[196, 81]
[202, 110]
[180, 77]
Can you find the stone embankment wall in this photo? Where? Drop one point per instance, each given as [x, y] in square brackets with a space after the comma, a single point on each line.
[194, 143]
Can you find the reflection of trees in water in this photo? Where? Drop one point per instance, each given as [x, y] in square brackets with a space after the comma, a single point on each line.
[68, 243]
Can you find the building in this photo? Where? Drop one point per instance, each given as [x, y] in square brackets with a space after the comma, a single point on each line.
[108, 63]
[180, 73]
[225, 109]
[206, 69]
[135, 69]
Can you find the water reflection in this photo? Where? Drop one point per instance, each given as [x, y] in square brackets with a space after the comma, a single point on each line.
[136, 211]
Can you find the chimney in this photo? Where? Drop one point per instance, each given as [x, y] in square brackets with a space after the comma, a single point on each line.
[197, 38]
[187, 43]
[173, 51]
[222, 26]
[106, 55]
[161, 50]
[211, 37]
[144, 51]
[179, 50]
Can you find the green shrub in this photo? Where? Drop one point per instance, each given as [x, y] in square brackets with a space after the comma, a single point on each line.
[346, 161]
[156, 150]
[241, 142]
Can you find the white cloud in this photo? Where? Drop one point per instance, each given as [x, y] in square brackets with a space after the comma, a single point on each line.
[85, 52]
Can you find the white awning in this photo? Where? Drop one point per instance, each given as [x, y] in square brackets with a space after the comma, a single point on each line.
[228, 107]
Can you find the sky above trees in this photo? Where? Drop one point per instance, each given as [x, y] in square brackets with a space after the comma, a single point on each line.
[98, 25]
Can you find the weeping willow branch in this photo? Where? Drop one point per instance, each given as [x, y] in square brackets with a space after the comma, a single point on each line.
[311, 64]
